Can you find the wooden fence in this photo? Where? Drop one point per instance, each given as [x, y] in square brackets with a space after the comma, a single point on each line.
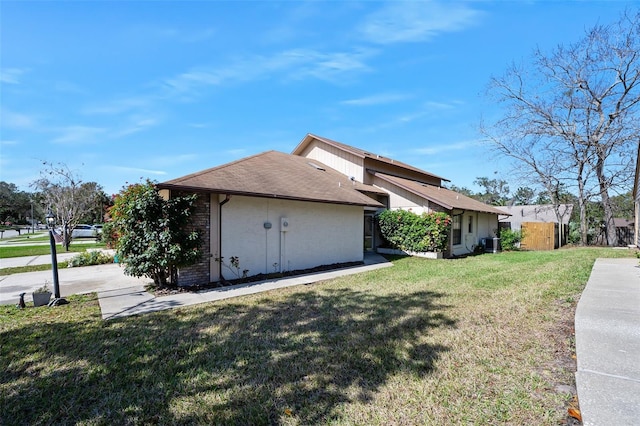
[539, 236]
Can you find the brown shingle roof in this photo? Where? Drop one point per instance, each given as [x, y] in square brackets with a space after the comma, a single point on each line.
[360, 153]
[442, 196]
[274, 174]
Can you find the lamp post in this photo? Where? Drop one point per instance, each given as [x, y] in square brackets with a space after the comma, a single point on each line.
[57, 300]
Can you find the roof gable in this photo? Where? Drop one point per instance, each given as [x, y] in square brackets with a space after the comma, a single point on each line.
[441, 196]
[371, 158]
[275, 174]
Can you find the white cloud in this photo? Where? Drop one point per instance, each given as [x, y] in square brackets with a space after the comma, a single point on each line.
[16, 120]
[117, 106]
[11, 75]
[383, 98]
[8, 142]
[295, 63]
[136, 125]
[415, 21]
[78, 134]
[446, 147]
[124, 169]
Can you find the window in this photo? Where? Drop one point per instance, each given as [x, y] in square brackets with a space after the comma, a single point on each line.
[456, 227]
[470, 224]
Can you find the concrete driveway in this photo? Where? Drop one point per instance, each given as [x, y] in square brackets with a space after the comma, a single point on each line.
[72, 281]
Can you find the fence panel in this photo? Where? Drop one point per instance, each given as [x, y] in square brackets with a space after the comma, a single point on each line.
[538, 236]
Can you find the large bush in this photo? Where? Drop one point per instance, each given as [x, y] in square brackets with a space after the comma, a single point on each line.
[153, 235]
[510, 239]
[408, 231]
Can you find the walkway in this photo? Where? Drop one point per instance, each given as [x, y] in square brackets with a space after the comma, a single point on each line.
[608, 344]
[134, 300]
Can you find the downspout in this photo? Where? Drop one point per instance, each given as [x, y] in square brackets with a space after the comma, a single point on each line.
[222, 203]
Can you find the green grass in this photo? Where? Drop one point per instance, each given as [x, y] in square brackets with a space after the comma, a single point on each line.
[481, 340]
[30, 268]
[37, 250]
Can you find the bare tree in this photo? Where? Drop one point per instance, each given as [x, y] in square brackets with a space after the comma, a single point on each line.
[572, 117]
[65, 195]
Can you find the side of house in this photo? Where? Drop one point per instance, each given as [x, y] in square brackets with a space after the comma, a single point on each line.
[273, 212]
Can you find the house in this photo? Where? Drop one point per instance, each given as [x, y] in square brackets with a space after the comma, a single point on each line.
[405, 187]
[276, 212]
[273, 212]
[515, 216]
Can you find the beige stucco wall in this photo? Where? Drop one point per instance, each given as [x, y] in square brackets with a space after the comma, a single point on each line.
[318, 234]
[484, 225]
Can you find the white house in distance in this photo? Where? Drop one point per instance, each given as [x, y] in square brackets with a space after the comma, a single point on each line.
[278, 212]
[514, 216]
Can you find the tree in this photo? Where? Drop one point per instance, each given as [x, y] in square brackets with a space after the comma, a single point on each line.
[496, 191]
[154, 236]
[572, 117]
[523, 196]
[65, 195]
[15, 205]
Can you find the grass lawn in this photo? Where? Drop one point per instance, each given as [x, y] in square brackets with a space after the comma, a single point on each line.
[38, 250]
[482, 340]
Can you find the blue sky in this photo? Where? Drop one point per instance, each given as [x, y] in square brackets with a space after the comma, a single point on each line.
[121, 90]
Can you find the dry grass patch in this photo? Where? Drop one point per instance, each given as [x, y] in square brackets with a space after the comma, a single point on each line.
[483, 340]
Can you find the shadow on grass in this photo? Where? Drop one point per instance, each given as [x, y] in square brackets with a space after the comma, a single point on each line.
[300, 357]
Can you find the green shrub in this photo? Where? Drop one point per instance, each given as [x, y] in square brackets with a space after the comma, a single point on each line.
[87, 258]
[510, 239]
[408, 231]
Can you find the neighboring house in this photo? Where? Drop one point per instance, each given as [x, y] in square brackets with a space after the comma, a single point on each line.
[625, 231]
[276, 212]
[636, 197]
[515, 216]
[405, 187]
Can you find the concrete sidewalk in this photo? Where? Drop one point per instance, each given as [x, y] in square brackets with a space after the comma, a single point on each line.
[608, 344]
[44, 259]
[134, 300]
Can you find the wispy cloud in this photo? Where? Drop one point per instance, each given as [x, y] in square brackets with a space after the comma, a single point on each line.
[117, 106]
[11, 75]
[440, 148]
[136, 125]
[292, 64]
[168, 161]
[383, 98]
[415, 21]
[123, 169]
[78, 134]
[16, 120]
[8, 142]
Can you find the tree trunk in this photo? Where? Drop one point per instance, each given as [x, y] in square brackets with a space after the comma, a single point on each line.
[582, 203]
[610, 227]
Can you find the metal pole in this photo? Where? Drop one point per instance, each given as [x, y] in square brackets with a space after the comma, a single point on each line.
[54, 265]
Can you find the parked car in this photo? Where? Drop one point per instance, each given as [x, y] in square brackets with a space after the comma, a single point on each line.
[98, 228]
[84, 231]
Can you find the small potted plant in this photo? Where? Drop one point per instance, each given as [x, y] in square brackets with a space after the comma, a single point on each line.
[42, 295]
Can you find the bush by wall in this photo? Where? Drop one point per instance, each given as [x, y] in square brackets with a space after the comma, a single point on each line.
[510, 239]
[408, 231]
[87, 258]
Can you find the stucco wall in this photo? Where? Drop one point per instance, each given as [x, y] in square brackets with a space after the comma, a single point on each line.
[318, 234]
[484, 225]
